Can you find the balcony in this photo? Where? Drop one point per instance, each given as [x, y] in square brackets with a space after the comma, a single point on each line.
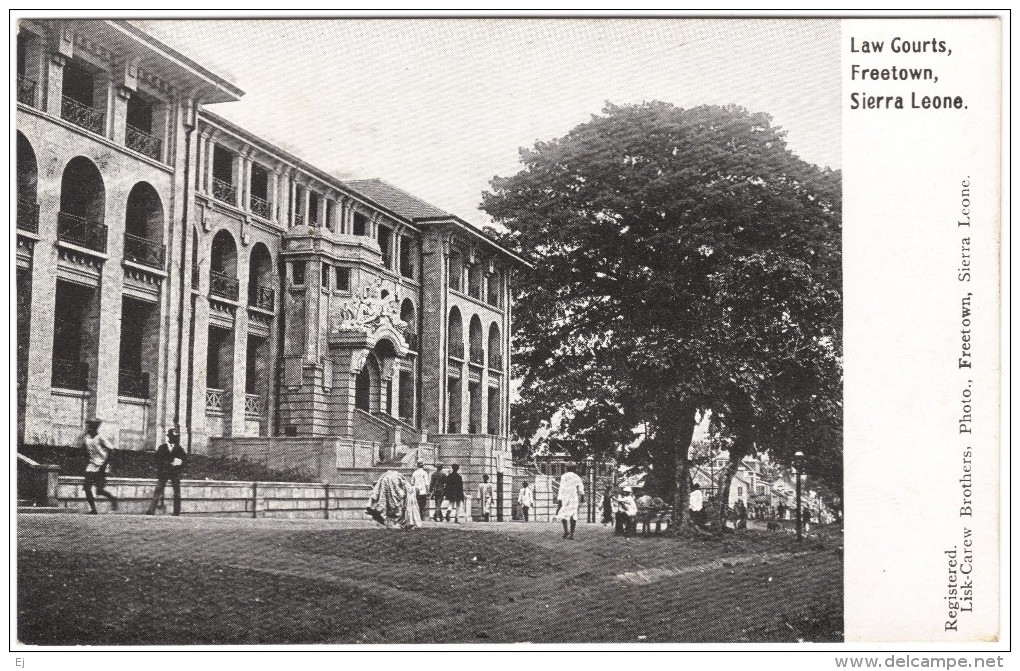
[262, 297]
[82, 115]
[261, 207]
[223, 286]
[254, 406]
[80, 231]
[70, 374]
[133, 383]
[26, 91]
[143, 143]
[144, 251]
[215, 400]
[28, 216]
[224, 191]
[477, 356]
[195, 277]
[456, 350]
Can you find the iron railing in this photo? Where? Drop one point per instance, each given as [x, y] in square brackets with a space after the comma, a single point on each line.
[82, 115]
[28, 216]
[254, 406]
[70, 374]
[144, 251]
[195, 277]
[223, 286]
[262, 297]
[260, 207]
[80, 231]
[495, 360]
[26, 91]
[407, 269]
[133, 383]
[215, 400]
[224, 191]
[143, 142]
[411, 338]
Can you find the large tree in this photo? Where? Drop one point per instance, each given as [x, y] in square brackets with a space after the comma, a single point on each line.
[685, 260]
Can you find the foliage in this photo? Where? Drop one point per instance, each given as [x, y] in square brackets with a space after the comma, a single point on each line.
[685, 260]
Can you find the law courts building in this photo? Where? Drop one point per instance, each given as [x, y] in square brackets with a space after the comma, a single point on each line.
[173, 268]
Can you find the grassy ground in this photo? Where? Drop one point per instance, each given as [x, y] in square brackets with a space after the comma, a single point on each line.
[110, 580]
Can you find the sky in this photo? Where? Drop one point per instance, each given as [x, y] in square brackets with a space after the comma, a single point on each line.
[440, 107]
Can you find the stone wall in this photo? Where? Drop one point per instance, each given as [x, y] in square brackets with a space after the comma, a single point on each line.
[228, 499]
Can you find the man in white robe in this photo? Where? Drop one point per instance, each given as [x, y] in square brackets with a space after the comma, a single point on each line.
[569, 499]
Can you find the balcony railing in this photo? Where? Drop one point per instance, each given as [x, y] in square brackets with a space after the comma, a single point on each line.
[80, 231]
[224, 191]
[260, 207]
[477, 355]
[254, 406]
[143, 143]
[495, 361]
[195, 277]
[82, 115]
[222, 285]
[262, 297]
[144, 251]
[26, 91]
[215, 400]
[133, 383]
[457, 349]
[70, 374]
[28, 216]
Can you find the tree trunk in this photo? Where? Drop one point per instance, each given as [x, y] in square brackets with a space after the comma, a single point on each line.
[736, 456]
[680, 433]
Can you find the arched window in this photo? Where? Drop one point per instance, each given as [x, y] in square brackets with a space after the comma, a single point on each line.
[81, 220]
[495, 348]
[366, 386]
[143, 227]
[455, 334]
[407, 314]
[28, 185]
[260, 278]
[475, 335]
[223, 267]
[493, 290]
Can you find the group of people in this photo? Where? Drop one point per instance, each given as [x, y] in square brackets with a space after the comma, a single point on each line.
[169, 456]
[402, 502]
[622, 509]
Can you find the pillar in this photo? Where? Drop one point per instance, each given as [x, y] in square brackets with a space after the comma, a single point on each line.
[274, 196]
[55, 83]
[107, 374]
[118, 115]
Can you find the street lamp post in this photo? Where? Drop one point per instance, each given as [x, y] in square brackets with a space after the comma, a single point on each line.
[798, 464]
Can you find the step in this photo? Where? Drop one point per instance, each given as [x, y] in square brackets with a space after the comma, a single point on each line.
[367, 476]
[43, 510]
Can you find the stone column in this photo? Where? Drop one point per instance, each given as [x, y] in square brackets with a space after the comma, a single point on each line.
[111, 301]
[210, 150]
[246, 183]
[238, 172]
[55, 83]
[321, 213]
[305, 203]
[119, 115]
[274, 196]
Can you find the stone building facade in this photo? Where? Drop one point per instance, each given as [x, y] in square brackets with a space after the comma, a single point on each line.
[174, 268]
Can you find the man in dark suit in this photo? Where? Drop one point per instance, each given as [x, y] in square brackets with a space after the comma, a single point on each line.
[436, 490]
[170, 458]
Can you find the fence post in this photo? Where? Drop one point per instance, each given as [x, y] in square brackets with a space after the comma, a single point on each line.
[327, 499]
[255, 500]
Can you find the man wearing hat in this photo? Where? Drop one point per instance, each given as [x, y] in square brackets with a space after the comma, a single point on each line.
[420, 482]
[95, 472]
[626, 514]
[170, 458]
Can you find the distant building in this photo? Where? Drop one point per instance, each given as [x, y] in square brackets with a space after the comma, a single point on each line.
[173, 267]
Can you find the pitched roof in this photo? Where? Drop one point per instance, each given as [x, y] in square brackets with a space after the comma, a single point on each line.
[395, 199]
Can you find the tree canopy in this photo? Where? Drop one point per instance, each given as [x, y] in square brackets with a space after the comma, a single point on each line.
[685, 260]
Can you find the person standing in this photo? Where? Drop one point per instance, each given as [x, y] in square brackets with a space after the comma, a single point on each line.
[436, 490]
[697, 505]
[453, 490]
[98, 450]
[486, 497]
[526, 499]
[626, 514]
[420, 482]
[170, 458]
[607, 505]
[645, 511]
[741, 514]
[568, 500]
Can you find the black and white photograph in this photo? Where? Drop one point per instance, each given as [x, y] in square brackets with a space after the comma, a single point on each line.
[405, 331]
